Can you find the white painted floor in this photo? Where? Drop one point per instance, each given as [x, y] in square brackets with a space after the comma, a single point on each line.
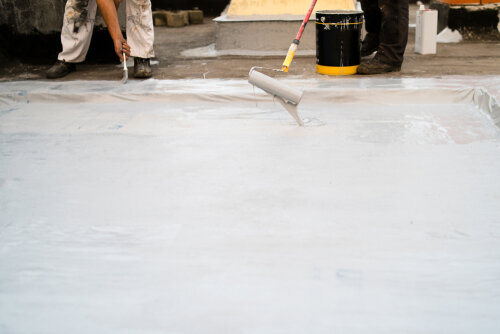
[199, 207]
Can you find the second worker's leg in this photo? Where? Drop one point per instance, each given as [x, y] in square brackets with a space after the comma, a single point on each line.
[140, 36]
[394, 31]
[393, 38]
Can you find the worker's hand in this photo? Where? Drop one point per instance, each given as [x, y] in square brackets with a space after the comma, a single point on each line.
[121, 46]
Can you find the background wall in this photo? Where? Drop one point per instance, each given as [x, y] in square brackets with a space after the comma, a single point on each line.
[30, 29]
[26, 16]
[278, 7]
[209, 7]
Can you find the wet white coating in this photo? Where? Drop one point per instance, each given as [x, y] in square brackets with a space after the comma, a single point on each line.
[199, 207]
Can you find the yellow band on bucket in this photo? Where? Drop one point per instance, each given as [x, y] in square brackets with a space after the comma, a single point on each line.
[337, 70]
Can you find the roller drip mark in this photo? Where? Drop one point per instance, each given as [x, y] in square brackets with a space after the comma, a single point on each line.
[255, 97]
[309, 121]
[288, 98]
[206, 70]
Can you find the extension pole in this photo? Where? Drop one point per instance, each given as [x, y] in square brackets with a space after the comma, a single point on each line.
[296, 41]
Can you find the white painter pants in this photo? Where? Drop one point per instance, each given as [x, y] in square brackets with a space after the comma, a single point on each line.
[78, 24]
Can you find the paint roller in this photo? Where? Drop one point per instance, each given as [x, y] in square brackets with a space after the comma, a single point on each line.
[274, 87]
[288, 97]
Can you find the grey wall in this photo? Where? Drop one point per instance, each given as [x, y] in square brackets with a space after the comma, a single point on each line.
[26, 16]
[44, 16]
[30, 29]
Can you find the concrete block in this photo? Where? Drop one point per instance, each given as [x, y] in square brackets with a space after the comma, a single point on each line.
[195, 17]
[160, 18]
[276, 34]
[461, 2]
[185, 16]
[175, 20]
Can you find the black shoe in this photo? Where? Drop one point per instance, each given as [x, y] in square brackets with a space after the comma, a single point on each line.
[369, 44]
[60, 69]
[375, 66]
[142, 68]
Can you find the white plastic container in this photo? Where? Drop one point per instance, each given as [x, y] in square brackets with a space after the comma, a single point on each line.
[426, 31]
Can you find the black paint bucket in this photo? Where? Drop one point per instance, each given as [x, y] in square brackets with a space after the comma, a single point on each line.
[338, 41]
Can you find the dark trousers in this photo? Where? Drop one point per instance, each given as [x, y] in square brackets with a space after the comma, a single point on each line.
[389, 20]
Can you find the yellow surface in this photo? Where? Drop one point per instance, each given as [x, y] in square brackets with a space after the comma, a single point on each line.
[334, 70]
[282, 7]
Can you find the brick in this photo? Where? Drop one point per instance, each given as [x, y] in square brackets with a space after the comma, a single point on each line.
[185, 16]
[160, 18]
[461, 2]
[195, 16]
[175, 20]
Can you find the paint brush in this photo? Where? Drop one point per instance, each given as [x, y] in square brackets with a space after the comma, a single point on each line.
[125, 69]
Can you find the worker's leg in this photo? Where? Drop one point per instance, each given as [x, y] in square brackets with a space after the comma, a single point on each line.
[78, 24]
[403, 23]
[76, 33]
[373, 21]
[393, 31]
[140, 32]
[140, 36]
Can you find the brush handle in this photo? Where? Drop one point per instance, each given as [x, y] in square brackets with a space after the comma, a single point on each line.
[293, 48]
[124, 62]
[306, 20]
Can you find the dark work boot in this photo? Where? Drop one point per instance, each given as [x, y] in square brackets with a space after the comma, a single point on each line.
[369, 44]
[142, 68]
[376, 66]
[60, 69]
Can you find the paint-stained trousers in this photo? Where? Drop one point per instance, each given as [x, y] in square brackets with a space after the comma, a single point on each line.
[78, 24]
[389, 20]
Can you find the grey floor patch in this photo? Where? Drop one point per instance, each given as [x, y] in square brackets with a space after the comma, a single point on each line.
[201, 207]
